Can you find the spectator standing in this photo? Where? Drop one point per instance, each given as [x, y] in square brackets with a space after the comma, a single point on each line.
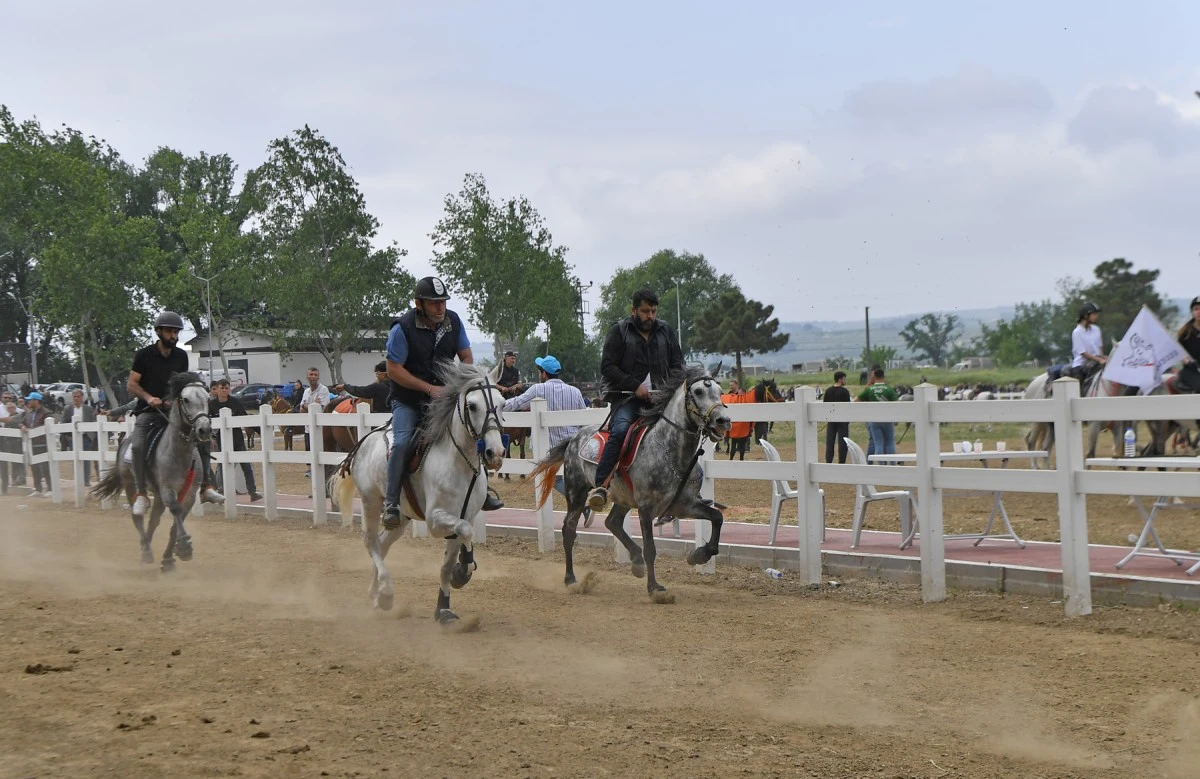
[837, 431]
[220, 401]
[35, 416]
[84, 412]
[316, 394]
[883, 434]
[378, 393]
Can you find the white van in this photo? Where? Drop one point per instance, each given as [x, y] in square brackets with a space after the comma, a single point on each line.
[237, 376]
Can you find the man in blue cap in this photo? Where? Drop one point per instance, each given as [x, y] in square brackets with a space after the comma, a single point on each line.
[559, 396]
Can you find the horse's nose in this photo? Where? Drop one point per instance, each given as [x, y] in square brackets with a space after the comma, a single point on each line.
[724, 422]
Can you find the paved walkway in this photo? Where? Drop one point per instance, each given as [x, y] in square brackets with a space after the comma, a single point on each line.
[1039, 555]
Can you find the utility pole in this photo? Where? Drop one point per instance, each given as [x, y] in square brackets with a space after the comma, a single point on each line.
[679, 314]
[208, 309]
[28, 311]
[581, 305]
[867, 359]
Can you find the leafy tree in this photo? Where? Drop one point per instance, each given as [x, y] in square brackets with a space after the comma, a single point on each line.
[1120, 291]
[320, 275]
[737, 326]
[502, 259]
[931, 335]
[1036, 331]
[200, 215]
[664, 272]
[880, 355]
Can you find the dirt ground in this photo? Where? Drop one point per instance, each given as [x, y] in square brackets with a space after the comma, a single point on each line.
[262, 657]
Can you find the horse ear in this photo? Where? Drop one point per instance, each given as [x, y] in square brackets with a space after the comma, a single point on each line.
[717, 371]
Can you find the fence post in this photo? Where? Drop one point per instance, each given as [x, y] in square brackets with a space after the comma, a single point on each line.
[539, 440]
[267, 433]
[52, 463]
[103, 442]
[316, 469]
[1072, 505]
[928, 514]
[809, 516]
[228, 479]
[76, 449]
[702, 527]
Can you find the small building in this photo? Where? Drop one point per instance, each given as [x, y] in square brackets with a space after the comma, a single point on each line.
[253, 352]
[808, 366]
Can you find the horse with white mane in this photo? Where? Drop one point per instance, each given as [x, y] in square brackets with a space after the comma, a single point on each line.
[661, 479]
[460, 437]
[173, 469]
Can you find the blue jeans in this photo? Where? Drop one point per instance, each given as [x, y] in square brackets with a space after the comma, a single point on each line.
[883, 437]
[405, 421]
[622, 418]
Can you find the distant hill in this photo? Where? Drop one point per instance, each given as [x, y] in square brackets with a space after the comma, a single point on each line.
[820, 340]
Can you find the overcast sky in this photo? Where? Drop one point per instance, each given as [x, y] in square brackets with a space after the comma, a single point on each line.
[952, 156]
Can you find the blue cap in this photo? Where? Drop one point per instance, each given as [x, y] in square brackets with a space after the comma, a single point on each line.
[38, 395]
[549, 364]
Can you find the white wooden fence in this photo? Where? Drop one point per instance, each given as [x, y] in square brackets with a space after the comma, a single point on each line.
[1068, 481]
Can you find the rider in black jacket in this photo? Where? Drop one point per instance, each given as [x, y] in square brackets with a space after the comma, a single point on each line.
[639, 354]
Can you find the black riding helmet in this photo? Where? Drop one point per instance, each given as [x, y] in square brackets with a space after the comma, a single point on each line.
[431, 288]
[1195, 302]
[1088, 308]
[169, 319]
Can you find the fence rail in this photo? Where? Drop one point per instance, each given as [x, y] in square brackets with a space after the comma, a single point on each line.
[1069, 480]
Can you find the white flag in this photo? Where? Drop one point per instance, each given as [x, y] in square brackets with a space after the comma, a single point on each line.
[1144, 354]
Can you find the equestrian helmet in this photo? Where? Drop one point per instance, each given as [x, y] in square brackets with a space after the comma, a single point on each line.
[1195, 302]
[1088, 308]
[431, 288]
[169, 319]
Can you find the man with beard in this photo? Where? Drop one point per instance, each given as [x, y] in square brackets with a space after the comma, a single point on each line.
[149, 381]
[640, 352]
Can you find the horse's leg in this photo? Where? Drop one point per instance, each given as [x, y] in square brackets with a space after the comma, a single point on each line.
[1093, 438]
[524, 436]
[615, 522]
[139, 525]
[702, 554]
[156, 512]
[570, 522]
[646, 518]
[381, 591]
[442, 613]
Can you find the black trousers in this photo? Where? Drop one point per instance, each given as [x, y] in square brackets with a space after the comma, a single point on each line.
[836, 432]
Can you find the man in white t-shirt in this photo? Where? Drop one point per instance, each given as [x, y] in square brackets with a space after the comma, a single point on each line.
[315, 394]
[1087, 344]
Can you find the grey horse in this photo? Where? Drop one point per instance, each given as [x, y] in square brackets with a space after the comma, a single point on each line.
[174, 473]
[661, 478]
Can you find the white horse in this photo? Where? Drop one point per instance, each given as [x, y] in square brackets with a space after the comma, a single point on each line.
[1041, 434]
[447, 490]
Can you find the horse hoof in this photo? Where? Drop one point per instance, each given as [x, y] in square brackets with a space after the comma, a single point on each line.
[445, 617]
[384, 600]
[460, 574]
[147, 556]
[700, 555]
[585, 585]
[569, 579]
[183, 548]
[638, 570]
[661, 596]
[168, 566]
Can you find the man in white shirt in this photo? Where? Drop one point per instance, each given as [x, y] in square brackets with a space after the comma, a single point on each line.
[315, 394]
[559, 396]
[1087, 344]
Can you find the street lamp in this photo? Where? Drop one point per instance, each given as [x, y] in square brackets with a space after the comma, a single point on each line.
[33, 371]
[208, 308]
[678, 313]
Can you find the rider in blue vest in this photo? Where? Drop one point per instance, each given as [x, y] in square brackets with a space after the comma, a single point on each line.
[420, 338]
[639, 354]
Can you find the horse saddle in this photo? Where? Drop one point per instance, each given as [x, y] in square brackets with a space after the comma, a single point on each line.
[591, 450]
[153, 438]
[415, 460]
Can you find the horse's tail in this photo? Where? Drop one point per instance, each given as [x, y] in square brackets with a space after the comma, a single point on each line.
[112, 483]
[547, 468]
[343, 487]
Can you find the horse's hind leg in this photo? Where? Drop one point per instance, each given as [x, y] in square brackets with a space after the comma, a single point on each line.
[657, 592]
[381, 592]
[570, 523]
[615, 522]
[442, 613]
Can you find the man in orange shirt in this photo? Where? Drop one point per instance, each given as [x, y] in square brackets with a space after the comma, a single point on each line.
[739, 434]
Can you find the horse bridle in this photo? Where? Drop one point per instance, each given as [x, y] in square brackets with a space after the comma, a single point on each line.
[188, 430]
[702, 418]
[491, 420]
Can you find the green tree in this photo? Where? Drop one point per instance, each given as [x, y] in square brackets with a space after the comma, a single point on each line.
[74, 216]
[201, 214]
[322, 280]
[1120, 291]
[737, 326]
[1038, 331]
[930, 336]
[674, 277]
[502, 259]
[880, 355]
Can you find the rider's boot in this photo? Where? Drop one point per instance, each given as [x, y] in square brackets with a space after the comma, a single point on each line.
[492, 501]
[397, 472]
[597, 499]
[210, 495]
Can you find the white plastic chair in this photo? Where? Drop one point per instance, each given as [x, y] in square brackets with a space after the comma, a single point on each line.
[866, 493]
[782, 490]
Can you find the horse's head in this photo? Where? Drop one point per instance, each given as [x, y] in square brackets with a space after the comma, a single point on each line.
[705, 408]
[767, 391]
[470, 403]
[189, 399]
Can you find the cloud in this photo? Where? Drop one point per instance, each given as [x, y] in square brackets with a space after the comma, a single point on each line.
[1113, 116]
[972, 96]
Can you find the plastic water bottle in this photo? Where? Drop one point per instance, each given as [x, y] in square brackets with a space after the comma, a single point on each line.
[774, 573]
[1130, 442]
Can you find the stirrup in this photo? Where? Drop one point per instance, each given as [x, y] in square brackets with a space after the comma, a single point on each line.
[391, 516]
[597, 499]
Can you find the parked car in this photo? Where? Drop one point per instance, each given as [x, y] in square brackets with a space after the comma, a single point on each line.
[62, 391]
[251, 395]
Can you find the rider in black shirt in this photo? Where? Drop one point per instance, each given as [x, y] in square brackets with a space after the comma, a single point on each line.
[378, 393]
[149, 381]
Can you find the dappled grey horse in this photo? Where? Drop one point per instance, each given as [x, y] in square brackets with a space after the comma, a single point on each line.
[173, 473]
[663, 477]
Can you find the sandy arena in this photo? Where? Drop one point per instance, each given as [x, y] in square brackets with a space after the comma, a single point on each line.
[262, 657]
